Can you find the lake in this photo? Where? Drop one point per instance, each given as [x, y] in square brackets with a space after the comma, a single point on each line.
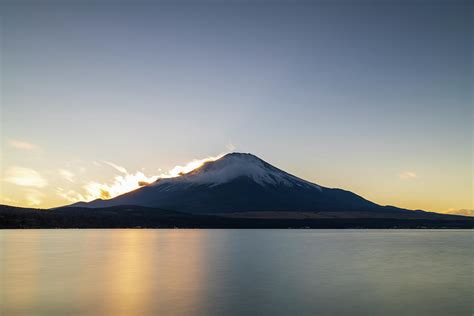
[236, 272]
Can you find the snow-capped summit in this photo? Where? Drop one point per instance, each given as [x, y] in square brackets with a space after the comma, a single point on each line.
[237, 165]
[239, 182]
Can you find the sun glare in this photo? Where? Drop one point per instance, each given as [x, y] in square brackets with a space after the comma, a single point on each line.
[129, 182]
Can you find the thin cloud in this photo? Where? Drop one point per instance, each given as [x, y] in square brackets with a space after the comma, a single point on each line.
[25, 177]
[20, 144]
[464, 212]
[66, 175]
[407, 175]
[34, 197]
[7, 200]
[70, 195]
[230, 147]
[190, 166]
[116, 167]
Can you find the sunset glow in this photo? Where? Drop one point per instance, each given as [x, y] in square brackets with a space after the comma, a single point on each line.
[127, 182]
[366, 107]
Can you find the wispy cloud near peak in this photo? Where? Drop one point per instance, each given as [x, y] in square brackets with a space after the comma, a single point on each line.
[66, 175]
[116, 167]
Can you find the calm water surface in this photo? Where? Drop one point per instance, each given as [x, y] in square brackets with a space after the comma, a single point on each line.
[236, 272]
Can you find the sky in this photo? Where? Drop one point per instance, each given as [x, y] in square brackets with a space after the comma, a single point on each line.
[372, 97]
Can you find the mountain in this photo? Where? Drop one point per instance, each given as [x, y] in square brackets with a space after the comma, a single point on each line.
[240, 182]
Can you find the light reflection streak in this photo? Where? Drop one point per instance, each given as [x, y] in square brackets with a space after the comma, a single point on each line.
[103, 272]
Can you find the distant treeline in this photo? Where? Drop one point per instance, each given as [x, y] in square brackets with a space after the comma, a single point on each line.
[142, 217]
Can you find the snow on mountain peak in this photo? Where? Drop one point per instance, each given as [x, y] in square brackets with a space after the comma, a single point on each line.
[237, 165]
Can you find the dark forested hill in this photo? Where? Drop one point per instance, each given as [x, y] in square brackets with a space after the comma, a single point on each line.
[144, 217]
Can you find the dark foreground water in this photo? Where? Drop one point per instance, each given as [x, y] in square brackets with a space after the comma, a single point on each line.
[236, 272]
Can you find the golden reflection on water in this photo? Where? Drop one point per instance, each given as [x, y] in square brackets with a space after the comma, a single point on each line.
[23, 291]
[123, 272]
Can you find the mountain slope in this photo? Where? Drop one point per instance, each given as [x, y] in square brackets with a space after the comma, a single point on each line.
[241, 182]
